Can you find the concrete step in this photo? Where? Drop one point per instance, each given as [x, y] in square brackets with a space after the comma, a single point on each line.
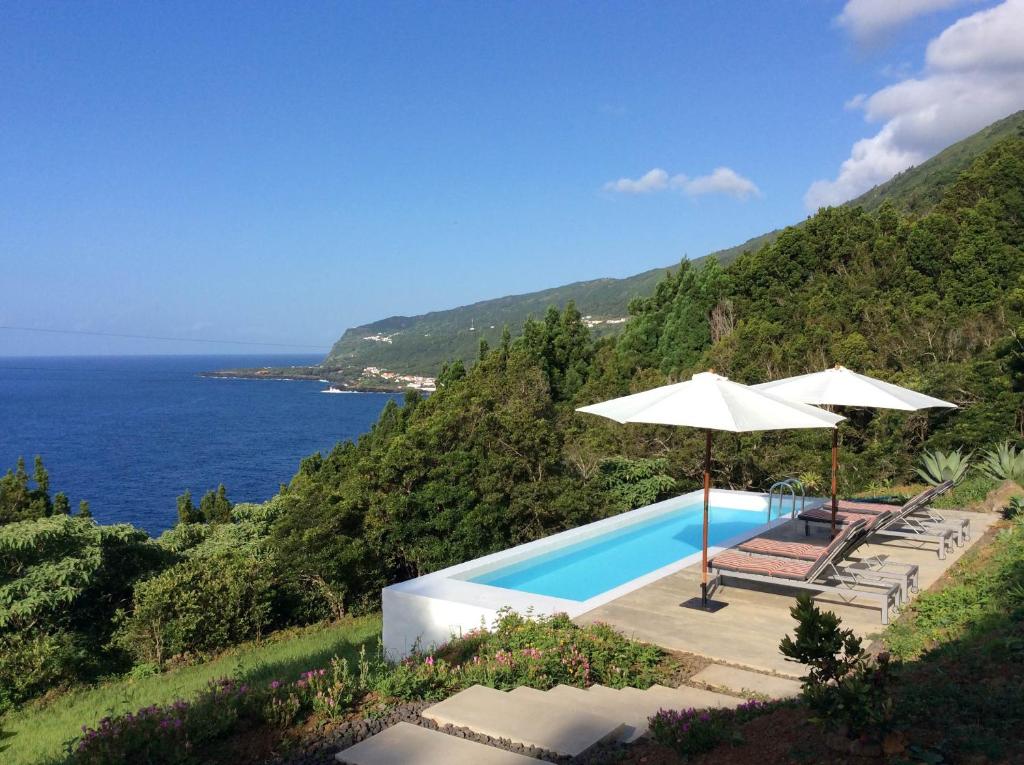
[684, 697]
[526, 718]
[612, 703]
[618, 708]
[745, 682]
[408, 744]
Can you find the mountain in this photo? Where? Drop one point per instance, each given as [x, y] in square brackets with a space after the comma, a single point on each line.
[918, 189]
[421, 344]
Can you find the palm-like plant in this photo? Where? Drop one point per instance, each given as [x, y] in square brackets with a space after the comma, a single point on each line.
[937, 466]
[1003, 463]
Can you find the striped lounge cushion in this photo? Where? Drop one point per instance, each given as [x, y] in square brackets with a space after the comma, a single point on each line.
[757, 564]
[873, 508]
[801, 550]
[842, 517]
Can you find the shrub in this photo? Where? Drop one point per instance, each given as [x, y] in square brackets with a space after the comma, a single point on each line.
[32, 661]
[937, 466]
[546, 651]
[843, 687]
[695, 731]
[166, 735]
[200, 605]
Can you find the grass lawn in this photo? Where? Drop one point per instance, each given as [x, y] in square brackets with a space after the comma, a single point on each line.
[39, 734]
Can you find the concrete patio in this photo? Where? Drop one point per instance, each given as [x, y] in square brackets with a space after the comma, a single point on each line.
[748, 631]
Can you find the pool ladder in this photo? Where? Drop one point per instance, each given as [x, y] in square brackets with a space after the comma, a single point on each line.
[790, 485]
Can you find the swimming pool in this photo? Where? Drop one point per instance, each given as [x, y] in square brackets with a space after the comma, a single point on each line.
[585, 569]
[570, 572]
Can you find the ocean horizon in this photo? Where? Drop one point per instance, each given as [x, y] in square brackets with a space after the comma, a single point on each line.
[130, 433]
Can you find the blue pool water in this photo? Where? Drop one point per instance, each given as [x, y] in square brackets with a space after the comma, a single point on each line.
[588, 568]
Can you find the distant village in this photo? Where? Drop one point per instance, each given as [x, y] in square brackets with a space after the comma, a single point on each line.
[419, 382]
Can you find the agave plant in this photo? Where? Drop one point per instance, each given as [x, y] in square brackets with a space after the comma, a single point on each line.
[937, 466]
[1003, 463]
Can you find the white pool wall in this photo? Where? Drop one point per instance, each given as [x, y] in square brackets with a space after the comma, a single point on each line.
[429, 610]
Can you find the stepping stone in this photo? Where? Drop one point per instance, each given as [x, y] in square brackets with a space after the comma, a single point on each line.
[611, 704]
[408, 744]
[526, 718]
[684, 697]
[747, 683]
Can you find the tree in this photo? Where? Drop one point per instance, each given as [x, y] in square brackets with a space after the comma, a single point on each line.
[18, 499]
[61, 504]
[215, 507]
[187, 512]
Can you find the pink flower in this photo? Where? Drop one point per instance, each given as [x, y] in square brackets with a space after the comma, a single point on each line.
[429, 661]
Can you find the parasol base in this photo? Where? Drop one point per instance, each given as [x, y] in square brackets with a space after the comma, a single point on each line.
[699, 604]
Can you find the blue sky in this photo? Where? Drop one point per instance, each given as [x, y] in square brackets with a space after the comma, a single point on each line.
[281, 171]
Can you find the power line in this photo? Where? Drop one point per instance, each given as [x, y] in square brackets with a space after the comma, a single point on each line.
[158, 337]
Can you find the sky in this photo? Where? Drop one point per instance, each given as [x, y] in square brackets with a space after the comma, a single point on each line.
[277, 172]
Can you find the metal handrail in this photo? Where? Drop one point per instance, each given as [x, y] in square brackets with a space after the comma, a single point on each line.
[791, 484]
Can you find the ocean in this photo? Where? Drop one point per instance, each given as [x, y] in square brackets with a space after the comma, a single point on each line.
[131, 433]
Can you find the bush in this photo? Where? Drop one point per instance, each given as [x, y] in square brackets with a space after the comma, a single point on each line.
[200, 605]
[32, 662]
[546, 651]
[695, 731]
[168, 735]
[844, 688]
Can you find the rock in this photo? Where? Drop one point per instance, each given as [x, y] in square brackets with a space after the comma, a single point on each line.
[999, 497]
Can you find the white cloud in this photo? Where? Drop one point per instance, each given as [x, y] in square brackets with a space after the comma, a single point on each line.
[723, 180]
[869, 20]
[654, 180]
[974, 76]
[987, 39]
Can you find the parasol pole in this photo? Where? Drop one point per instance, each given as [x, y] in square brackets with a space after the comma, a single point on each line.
[704, 548]
[835, 468]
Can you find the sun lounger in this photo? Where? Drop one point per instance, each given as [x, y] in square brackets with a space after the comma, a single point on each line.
[868, 568]
[903, 524]
[928, 515]
[819, 575]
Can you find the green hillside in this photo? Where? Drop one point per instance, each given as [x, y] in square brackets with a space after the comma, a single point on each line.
[421, 344]
[917, 190]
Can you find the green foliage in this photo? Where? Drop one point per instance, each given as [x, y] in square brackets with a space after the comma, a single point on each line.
[199, 606]
[635, 483]
[970, 491]
[61, 580]
[187, 512]
[224, 589]
[843, 687]
[974, 594]
[938, 467]
[215, 507]
[19, 501]
[1003, 463]
[39, 731]
[171, 735]
[539, 653]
